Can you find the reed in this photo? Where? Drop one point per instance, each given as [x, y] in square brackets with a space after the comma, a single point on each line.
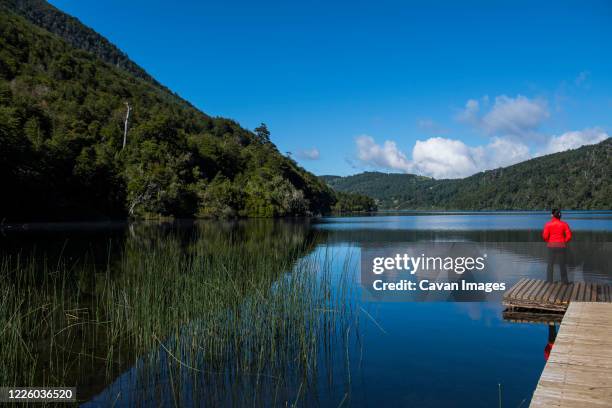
[212, 319]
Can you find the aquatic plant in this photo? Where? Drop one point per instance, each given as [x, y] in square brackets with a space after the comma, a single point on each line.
[209, 317]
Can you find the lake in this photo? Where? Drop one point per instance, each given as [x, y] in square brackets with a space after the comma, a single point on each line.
[271, 312]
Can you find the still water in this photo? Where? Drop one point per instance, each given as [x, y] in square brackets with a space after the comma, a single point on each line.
[362, 353]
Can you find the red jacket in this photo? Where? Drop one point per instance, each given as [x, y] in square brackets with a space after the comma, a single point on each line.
[556, 233]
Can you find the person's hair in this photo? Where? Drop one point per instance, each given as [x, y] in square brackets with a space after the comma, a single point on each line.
[556, 213]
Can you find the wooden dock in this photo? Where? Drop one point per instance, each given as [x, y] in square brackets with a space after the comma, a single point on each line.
[520, 316]
[578, 372]
[536, 294]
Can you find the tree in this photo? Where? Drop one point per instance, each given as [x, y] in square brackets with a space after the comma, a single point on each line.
[64, 123]
[262, 133]
[125, 123]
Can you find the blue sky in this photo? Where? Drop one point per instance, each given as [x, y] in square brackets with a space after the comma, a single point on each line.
[435, 88]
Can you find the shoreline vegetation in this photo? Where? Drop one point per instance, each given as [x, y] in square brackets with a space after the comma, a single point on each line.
[226, 311]
[87, 134]
[578, 179]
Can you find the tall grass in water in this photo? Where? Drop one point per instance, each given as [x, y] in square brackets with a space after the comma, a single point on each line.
[214, 319]
[42, 326]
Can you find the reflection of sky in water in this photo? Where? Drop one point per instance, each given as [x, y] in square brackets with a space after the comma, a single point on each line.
[447, 354]
[427, 354]
[441, 354]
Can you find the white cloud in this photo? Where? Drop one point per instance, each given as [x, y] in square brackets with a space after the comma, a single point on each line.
[470, 113]
[515, 116]
[518, 117]
[513, 125]
[573, 140]
[309, 154]
[387, 156]
[447, 158]
[440, 157]
[444, 158]
[502, 152]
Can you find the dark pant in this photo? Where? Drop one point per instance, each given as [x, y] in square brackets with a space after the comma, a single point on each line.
[557, 255]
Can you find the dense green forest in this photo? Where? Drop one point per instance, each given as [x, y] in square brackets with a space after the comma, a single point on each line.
[353, 202]
[76, 34]
[574, 179]
[65, 152]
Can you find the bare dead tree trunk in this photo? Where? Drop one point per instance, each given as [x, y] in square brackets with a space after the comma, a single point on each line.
[125, 124]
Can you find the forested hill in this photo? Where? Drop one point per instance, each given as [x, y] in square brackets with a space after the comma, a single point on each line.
[62, 113]
[575, 179]
[75, 33]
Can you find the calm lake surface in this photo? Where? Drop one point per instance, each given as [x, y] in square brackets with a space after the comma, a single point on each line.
[364, 353]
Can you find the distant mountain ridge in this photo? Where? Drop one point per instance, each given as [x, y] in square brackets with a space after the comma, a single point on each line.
[574, 179]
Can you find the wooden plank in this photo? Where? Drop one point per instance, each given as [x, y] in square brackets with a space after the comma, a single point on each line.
[580, 296]
[555, 292]
[548, 291]
[531, 294]
[521, 289]
[539, 296]
[565, 294]
[574, 294]
[594, 292]
[532, 317]
[513, 290]
[578, 372]
[593, 296]
[587, 292]
[536, 294]
[601, 293]
[523, 294]
[561, 295]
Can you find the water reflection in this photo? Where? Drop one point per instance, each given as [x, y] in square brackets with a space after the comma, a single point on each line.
[552, 335]
[193, 343]
[116, 294]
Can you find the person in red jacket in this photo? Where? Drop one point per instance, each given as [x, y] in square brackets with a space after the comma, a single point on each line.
[557, 234]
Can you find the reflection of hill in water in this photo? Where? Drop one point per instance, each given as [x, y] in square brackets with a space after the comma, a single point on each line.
[146, 278]
[146, 260]
[93, 241]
